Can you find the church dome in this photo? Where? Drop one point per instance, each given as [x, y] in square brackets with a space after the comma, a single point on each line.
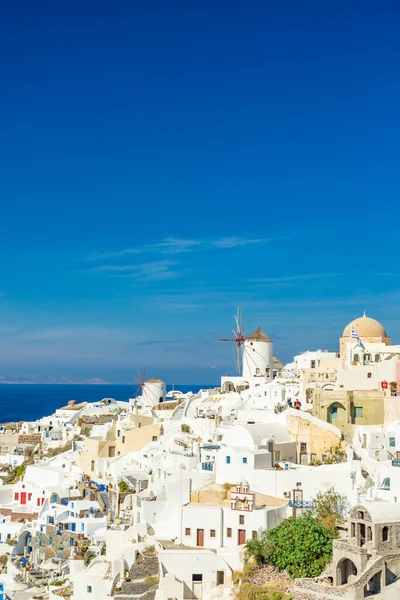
[365, 327]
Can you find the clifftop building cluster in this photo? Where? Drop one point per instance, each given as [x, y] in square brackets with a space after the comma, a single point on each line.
[155, 498]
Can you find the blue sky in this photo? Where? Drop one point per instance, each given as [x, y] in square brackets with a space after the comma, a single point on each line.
[164, 162]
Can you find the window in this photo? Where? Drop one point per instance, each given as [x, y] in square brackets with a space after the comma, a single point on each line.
[358, 411]
[229, 532]
[123, 439]
[228, 460]
[386, 483]
[360, 515]
[369, 375]
[92, 465]
[16, 496]
[220, 578]
[385, 534]
[197, 578]
[270, 447]
[356, 358]
[50, 541]
[241, 519]
[313, 364]
[254, 535]
[187, 531]
[118, 433]
[154, 438]
[377, 357]
[89, 589]
[212, 533]
[313, 457]
[303, 447]
[71, 541]
[392, 442]
[324, 458]
[245, 459]
[376, 453]
[367, 359]
[353, 530]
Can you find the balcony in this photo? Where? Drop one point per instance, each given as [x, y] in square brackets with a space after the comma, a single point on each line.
[301, 504]
[207, 466]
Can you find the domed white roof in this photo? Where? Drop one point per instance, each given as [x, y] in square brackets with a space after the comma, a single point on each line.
[365, 327]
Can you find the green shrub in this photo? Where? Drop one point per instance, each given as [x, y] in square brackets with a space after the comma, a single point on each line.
[301, 546]
[89, 556]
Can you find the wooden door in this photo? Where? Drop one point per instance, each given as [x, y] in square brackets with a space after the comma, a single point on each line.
[23, 497]
[241, 537]
[200, 537]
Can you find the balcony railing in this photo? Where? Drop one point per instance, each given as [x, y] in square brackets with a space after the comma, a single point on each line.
[301, 504]
[207, 466]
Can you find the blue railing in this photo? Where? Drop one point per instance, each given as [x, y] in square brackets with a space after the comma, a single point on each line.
[207, 466]
[64, 502]
[301, 503]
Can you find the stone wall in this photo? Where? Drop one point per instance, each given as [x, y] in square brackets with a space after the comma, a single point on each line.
[19, 516]
[30, 438]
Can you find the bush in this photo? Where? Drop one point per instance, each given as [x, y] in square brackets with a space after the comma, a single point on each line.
[57, 582]
[251, 591]
[330, 509]
[89, 556]
[185, 428]
[152, 581]
[123, 487]
[4, 559]
[149, 551]
[301, 546]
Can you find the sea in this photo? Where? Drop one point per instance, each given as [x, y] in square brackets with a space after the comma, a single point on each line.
[28, 402]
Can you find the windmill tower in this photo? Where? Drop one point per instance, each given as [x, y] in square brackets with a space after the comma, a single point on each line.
[254, 352]
[258, 355]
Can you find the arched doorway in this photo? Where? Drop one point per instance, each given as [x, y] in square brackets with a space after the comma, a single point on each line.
[228, 387]
[336, 413]
[374, 585]
[344, 570]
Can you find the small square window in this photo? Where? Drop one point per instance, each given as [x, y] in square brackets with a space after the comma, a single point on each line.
[358, 411]
[154, 438]
[303, 447]
[392, 442]
[187, 531]
[229, 532]
[89, 589]
[241, 519]
[254, 535]
[369, 375]
[245, 459]
[228, 460]
[212, 533]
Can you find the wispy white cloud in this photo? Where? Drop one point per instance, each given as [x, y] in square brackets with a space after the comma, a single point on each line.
[235, 242]
[151, 271]
[290, 278]
[173, 245]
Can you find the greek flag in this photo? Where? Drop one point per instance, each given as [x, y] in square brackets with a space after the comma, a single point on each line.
[354, 334]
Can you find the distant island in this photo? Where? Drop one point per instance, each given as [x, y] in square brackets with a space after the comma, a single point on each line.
[40, 379]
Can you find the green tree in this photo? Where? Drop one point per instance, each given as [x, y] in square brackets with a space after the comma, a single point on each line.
[301, 546]
[330, 509]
